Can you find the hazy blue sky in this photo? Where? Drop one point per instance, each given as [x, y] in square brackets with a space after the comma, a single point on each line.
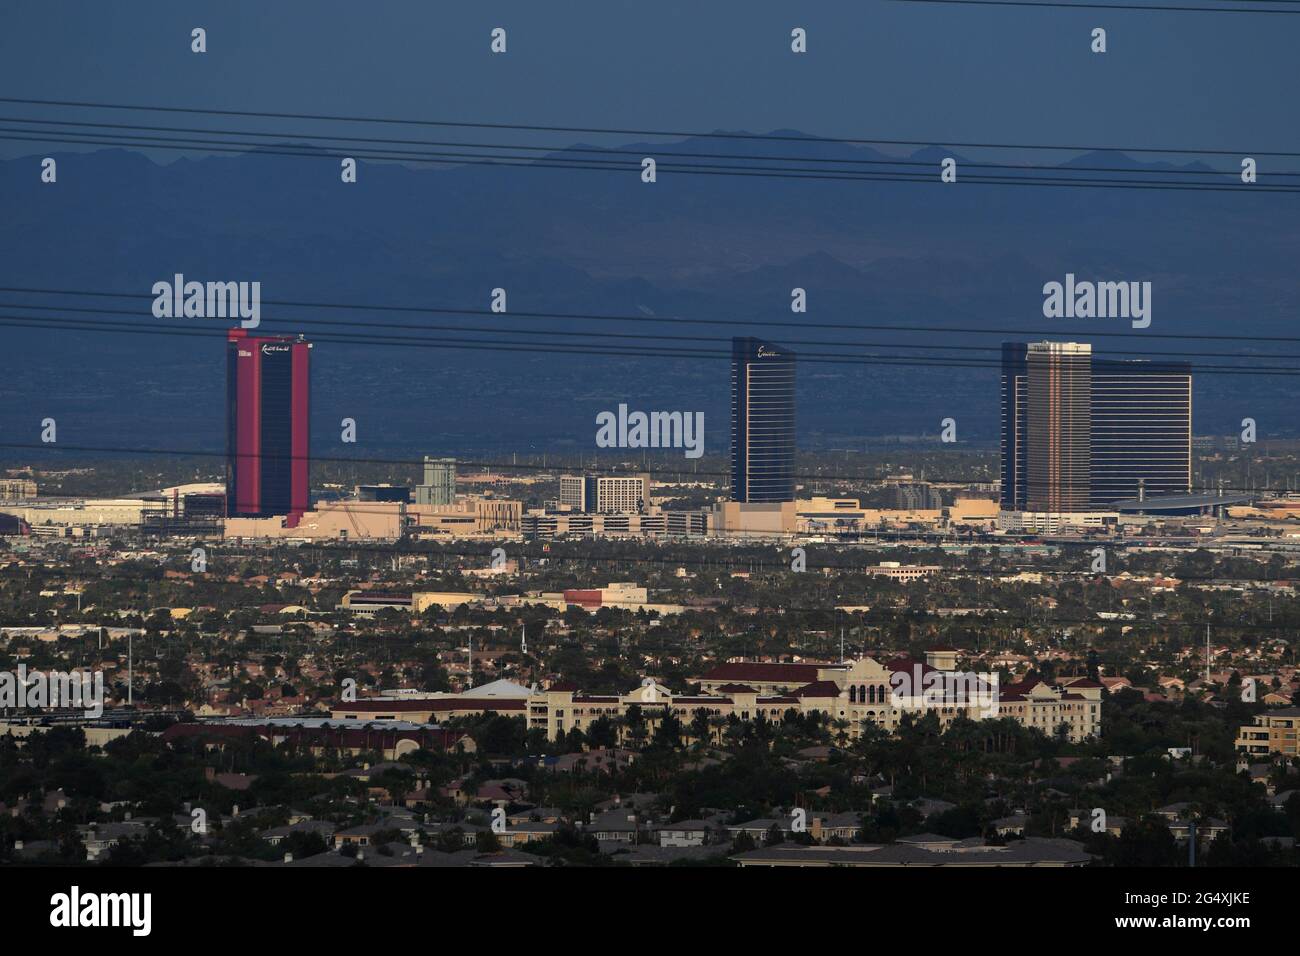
[574, 242]
[874, 68]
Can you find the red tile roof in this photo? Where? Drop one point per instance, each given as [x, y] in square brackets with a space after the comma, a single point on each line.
[1023, 687]
[763, 672]
[210, 731]
[372, 706]
[396, 706]
[702, 700]
[907, 664]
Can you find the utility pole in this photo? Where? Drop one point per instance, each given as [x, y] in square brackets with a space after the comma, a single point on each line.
[1207, 654]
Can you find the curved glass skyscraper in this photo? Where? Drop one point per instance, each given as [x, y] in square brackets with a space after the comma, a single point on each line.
[762, 422]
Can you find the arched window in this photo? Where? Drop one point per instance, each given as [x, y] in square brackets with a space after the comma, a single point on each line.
[853, 694]
[872, 692]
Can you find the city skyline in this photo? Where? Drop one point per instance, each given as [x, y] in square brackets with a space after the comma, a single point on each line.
[584, 438]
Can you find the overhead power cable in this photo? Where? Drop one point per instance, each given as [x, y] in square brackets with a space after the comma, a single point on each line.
[1160, 356]
[623, 131]
[607, 152]
[694, 169]
[1084, 5]
[677, 319]
[613, 351]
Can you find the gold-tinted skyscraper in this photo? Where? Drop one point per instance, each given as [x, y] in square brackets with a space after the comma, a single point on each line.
[1058, 430]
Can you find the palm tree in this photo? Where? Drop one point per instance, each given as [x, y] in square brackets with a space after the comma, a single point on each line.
[716, 722]
[841, 730]
[869, 734]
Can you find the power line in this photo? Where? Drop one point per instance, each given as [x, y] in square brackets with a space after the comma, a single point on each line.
[614, 351]
[680, 320]
[300, 322]
[717, 134]
[633, 352]
[598, 151]
[623, 335]
[1108, 6]
[591, 165]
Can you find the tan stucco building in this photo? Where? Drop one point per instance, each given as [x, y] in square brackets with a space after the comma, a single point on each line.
[1273, 732]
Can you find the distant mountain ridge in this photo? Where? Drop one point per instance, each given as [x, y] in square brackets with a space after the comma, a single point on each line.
[600, 242]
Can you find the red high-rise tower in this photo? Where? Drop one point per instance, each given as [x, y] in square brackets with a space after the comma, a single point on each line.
[268, 391]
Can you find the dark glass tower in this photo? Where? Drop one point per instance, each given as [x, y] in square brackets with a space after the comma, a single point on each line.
[268, 392]
[762, 422]
[1119, 429]
[1015, 375]
[1141, 430]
